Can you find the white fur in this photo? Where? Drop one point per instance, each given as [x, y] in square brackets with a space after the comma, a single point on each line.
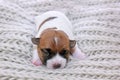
[61, 23]
[56, 40]
[56, 60]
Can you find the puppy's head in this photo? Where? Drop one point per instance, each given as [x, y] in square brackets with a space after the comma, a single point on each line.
[54, 48]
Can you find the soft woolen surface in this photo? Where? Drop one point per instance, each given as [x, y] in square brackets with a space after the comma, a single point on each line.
[96, 26]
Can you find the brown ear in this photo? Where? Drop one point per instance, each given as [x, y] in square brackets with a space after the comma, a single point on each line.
[35, 40]
[72, 43]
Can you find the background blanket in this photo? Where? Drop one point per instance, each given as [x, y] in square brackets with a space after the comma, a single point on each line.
[96, 26]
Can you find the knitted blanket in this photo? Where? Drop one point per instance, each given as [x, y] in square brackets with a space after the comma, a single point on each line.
[96, 26]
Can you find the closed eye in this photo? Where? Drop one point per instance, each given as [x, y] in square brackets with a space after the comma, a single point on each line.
[46, 51]
[64, 52]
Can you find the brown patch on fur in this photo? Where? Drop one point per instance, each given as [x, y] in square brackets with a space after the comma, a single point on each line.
[40, 54]
[47, 41]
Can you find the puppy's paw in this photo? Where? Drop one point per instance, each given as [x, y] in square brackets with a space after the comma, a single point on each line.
[78, 54]
[37, 62]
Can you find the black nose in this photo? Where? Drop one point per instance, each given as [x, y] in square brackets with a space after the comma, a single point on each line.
[55, 66]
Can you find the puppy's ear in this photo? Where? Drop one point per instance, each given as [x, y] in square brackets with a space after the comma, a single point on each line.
[35, 40]
[72, 43]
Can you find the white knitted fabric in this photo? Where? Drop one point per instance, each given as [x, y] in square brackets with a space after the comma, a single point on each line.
[96, 26]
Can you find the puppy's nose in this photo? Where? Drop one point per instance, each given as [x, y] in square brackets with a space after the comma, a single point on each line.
[55, 66]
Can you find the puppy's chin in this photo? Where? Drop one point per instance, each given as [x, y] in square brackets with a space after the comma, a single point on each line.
[57, 62]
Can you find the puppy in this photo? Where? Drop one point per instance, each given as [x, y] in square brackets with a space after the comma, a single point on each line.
[54, 42]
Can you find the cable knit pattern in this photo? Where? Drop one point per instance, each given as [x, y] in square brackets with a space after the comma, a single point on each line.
[96, 26]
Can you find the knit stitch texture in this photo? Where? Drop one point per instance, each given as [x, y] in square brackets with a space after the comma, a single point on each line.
[96, 26]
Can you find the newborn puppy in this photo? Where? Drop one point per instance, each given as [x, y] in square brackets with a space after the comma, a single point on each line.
[54, 42]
